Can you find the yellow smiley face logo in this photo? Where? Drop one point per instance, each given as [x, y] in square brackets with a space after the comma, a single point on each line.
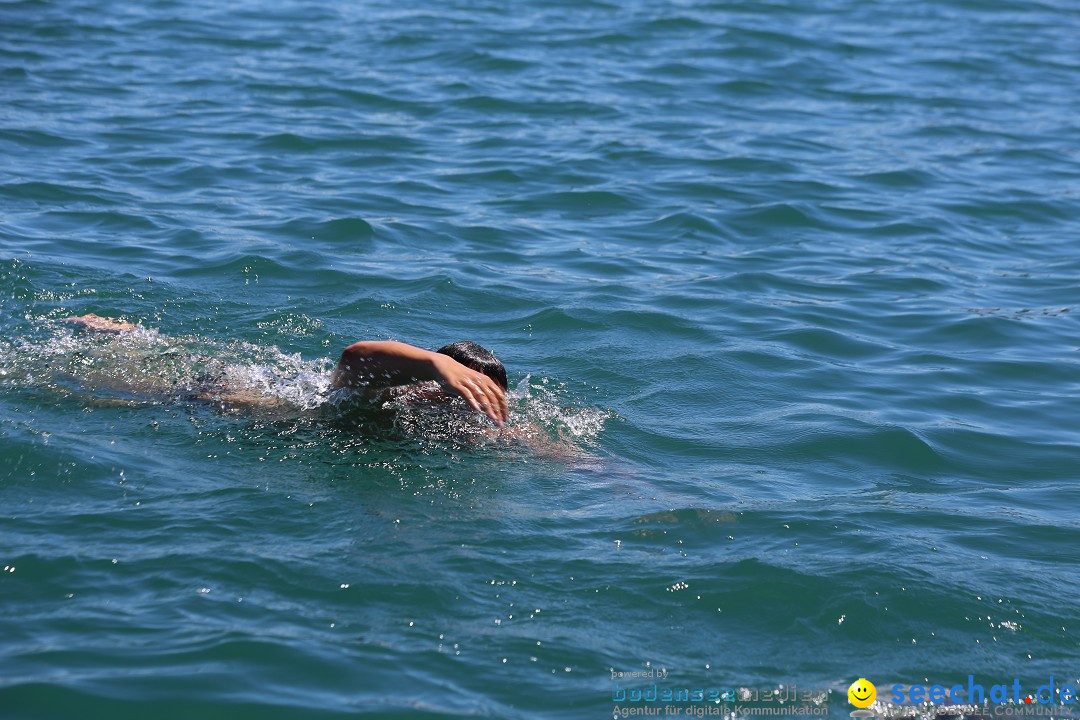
[862, 693]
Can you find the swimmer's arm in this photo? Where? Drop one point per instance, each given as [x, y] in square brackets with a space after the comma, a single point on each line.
[385, 363]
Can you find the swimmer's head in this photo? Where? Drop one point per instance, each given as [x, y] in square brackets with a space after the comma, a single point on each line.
[477, 357]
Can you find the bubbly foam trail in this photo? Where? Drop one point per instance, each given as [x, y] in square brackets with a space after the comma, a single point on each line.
[547, 404]
[153, 366]
[148, 365]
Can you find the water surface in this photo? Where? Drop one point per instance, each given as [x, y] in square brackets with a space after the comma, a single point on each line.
[799, 278]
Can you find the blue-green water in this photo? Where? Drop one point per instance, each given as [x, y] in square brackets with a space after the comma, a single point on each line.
[798, 278]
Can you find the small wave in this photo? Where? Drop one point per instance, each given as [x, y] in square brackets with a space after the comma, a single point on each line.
[545, 403]
[543, 418]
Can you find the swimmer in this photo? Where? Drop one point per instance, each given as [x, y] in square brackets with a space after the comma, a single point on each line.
[383, 368]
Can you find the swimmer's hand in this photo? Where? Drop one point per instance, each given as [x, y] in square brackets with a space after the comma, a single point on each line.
[385, 363]
[96, 323]
[481, 392]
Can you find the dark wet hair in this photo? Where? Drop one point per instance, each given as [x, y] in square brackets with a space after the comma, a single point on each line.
[477, 357]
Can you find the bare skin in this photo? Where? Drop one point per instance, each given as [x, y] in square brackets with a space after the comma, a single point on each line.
[372, 364]
[96, 323]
